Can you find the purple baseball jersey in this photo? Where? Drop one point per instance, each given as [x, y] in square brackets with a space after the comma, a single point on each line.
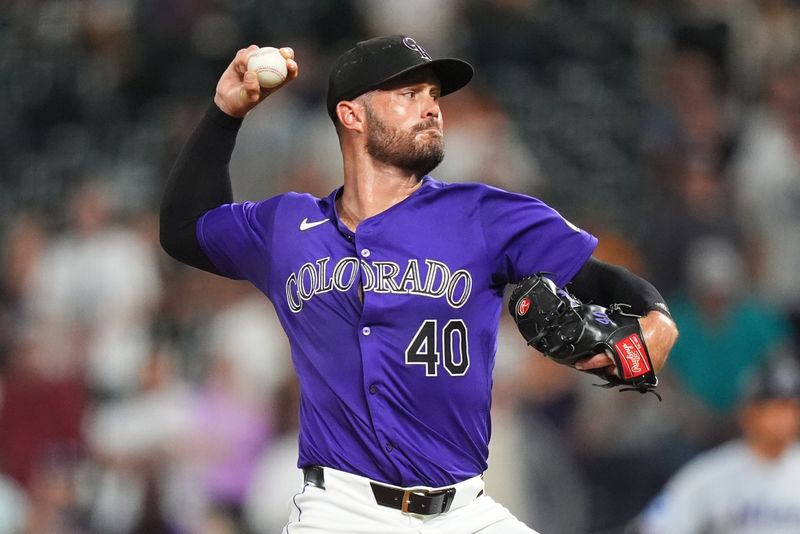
[393, 328]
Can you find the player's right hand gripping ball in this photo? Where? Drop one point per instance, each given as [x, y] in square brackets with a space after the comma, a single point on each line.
[564, 329]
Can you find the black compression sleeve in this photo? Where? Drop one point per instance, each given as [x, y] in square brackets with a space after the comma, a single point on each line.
[199, 181]
[605, 284]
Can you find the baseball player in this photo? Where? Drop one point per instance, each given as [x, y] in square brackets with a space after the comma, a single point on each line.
[389, 289]
[750, 485]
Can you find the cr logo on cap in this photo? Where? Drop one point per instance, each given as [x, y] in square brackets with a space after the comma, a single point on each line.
[412, 44]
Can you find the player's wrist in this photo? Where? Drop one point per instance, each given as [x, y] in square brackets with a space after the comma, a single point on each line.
[659, 333]
[224, 106]
[219, 116]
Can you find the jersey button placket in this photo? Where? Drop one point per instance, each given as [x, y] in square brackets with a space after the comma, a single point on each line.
[367, 340]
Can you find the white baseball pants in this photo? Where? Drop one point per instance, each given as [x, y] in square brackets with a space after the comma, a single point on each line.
[347, 506]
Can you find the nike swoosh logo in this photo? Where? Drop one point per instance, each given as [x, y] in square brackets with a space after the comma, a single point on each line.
[305, 225]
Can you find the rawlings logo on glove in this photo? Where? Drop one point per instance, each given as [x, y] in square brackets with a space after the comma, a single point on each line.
[633, 356]
[564, 329]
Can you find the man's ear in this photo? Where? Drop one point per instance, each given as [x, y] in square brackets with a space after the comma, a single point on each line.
[351, 115]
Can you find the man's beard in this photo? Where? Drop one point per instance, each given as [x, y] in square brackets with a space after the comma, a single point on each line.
[393, 146]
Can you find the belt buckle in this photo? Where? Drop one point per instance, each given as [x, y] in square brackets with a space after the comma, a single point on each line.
[407, 497]
[406, 501]
[447, 498]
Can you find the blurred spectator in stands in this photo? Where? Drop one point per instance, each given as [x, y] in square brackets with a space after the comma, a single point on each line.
[687, 141]
[108, 70]
[230, 429]
[140, 478]
[704, 26]
[23, 241]
[92, 295]
[13, 506]
[40, 415]
[766, 36]
[277, 478]
[687, 124]
[725, 333]
[53, 504]
[266, 157]
[439, 29]
[749, 484]
[482, 144]
[696, 202]
[245, 331]
[522, 40]
[615, 432]
[767, 178]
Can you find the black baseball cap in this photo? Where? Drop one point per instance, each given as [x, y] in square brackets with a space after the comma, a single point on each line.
[376, 61]
[777, 378]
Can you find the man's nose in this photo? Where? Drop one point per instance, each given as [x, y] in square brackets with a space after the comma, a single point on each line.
[431, 108]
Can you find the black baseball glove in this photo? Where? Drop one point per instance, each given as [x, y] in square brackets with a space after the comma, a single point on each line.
[564, 329]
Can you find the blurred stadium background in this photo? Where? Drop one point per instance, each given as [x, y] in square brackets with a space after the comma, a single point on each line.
[137, 395]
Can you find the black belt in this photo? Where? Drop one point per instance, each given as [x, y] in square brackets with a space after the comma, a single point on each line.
[408, 501]
[315, 476]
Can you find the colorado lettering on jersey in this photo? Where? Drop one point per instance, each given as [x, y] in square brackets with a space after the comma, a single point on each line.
[432, 279]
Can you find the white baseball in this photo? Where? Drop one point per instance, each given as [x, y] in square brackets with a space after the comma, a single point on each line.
[269, 65]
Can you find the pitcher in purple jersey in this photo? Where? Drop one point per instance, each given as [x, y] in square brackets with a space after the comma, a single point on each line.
[389, 289]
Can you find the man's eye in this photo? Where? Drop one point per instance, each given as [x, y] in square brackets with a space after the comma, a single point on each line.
[409, 94]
